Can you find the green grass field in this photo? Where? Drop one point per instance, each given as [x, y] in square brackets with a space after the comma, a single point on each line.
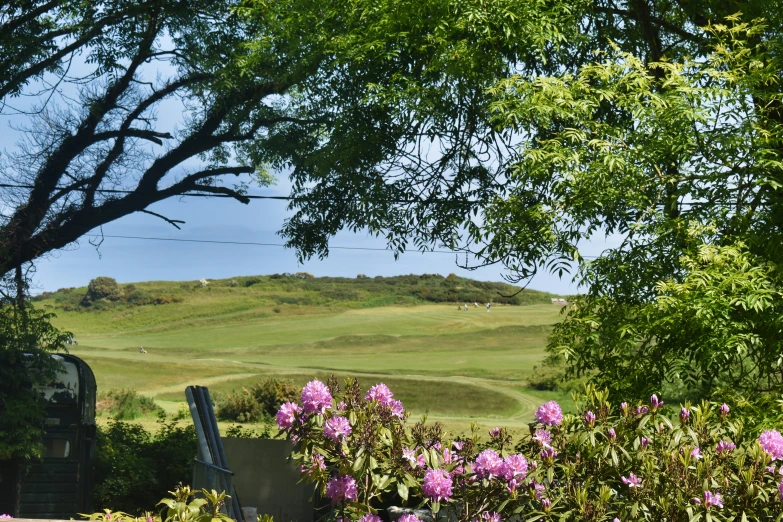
[454, 366]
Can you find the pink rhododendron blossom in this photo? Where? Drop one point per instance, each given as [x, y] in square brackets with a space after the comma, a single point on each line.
[685, 414]
[624, 408]
[780, 489]
[655, 403]
[549, 413]
[488, 464]
[548, 453]
[342, 406]
[725, 447]
[397, 409]
[632, 481]
[447, 456]
[286, 415]
[316, 397]
[724, 409]
[710, 500]
[369, 517]
[494, 432]
[342, 487]
[409, 518]
[543, 437]
[644, 442]
[409, 455]
[590, 418]
[457, 445]
[546, 504]
[612, 434]
[421, 461]
[490, 517]
[540, 490]
[316, 464]
[641, 410]
[772, 442]
[437, 485]
[381, 394]
[514, 467]
[337, 428]
[6, 516]
[696, 453]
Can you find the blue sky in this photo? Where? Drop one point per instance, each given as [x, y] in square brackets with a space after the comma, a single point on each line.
[130, 260]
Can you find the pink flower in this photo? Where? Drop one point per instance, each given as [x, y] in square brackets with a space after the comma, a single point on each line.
[421, 461]
[548, 454]
[514, 467]
[780, 489]
[724, 409]
[612, 434]
[488, 464]
[6, 516]
[409, 455]
[546, 504]
[549, 413]
[644, 442]
[685, 414]
[710, 500]
[696, 453]
[772, 442]
[316, 397]
[624, 408]
[380, 393]
[316, 464]
[490, 517]
[397, 409]
[342, 487]
[409, 518]
[543, 437]
[632, 481]
[654, 402]
[494, 432]
[437, 485]
[539, 490]
[641, 410]
[337, 428]
[286, 415]
[342, 407]
[369, 517]
[724, 447]
[590, 418]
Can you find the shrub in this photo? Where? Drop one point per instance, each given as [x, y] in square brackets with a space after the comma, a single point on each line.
[126, 404]
[271, 393]
[632, 462]
[135, 468]
[239, 406]
[102, 288]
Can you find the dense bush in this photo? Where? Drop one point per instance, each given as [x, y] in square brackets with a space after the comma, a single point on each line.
[262, 400]
[134, 468]
[102, 288]
[622, 462]
[126, 404]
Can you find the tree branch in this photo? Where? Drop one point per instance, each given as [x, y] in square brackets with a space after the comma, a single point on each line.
[174, 222]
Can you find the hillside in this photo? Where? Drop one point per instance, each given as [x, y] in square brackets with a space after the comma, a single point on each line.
[175, 303]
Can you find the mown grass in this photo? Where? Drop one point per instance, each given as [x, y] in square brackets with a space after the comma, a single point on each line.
[454, 365]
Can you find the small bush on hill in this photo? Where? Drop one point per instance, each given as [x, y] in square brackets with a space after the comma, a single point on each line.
[239, 406]
[102, 288]
[126, 404]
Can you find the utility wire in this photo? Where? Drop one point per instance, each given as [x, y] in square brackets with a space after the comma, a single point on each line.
[253, 243]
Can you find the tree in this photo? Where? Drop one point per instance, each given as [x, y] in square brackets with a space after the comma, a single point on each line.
[645, 119]
[103, 287]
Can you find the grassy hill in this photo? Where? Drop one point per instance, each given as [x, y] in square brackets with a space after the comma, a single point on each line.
[456, 366]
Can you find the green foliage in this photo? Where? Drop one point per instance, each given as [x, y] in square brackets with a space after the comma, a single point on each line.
[134, 467]
[126, 404]
[27, 340]
[261, 401]
[102, 288]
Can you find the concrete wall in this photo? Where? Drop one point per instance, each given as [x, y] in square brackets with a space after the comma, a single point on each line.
[266, 480]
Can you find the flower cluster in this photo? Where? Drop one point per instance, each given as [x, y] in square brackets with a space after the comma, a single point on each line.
[337, 429]
[316, 397]
[549, 414]
[771, 441]
[437, 485]
[342, 488]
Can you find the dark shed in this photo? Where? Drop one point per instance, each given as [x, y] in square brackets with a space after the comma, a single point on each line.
[61, 485]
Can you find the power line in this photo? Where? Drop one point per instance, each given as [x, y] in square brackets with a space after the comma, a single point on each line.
[254, 243]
